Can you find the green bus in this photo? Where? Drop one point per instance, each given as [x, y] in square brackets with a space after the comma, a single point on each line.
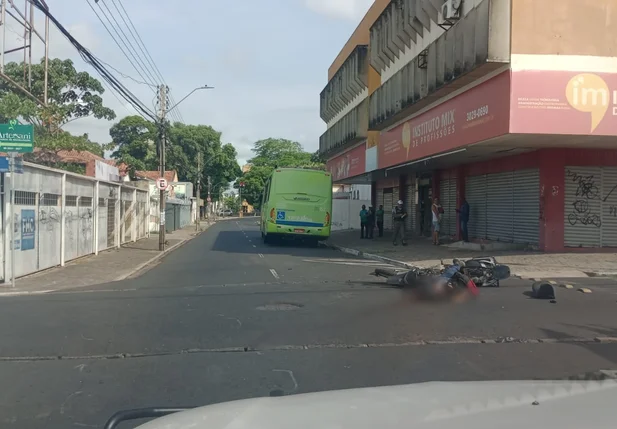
[297, 203]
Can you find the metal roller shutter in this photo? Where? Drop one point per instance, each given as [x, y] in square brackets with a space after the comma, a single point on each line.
[379, 197]
[447, 198]
[526, 203]
[387, 208]
[475, 193]
[500, 222]
[410, 205]
[609, 207]
[583, 207]
[590, 212]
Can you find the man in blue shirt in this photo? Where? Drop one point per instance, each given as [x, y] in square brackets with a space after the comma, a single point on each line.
[363, 222]
[463, 214]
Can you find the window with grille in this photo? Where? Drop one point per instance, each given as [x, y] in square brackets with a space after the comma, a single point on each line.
[25, 198]
[50, 200]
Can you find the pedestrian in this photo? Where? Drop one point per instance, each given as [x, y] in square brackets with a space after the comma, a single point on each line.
[363, 221]
[436, 211]
[379, 220]
[370, 224]
[398, 219]
[463, 215]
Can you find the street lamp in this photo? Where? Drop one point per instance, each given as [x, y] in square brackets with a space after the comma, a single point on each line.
[163, 89]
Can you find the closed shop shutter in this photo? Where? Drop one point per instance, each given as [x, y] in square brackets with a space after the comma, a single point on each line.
[526, 203]
[590, 212]
[475, 193]
[410, 204]
[447, 198]
[505, 206]
[609, 207]
[387, 208]
[500, 222]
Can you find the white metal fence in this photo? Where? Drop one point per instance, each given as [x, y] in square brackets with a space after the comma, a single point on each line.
[59, 216]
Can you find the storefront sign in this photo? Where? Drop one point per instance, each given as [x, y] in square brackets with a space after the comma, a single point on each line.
[473, 116]
[562, 102]
[351, 163]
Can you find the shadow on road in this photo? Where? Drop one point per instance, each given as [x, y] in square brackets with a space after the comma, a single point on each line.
[234, 242]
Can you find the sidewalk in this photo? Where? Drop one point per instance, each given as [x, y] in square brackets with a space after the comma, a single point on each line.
[525, 264]
[106, 267]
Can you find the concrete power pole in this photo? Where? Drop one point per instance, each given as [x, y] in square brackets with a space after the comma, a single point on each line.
[209, 197]
[198, 191]
[161, 114]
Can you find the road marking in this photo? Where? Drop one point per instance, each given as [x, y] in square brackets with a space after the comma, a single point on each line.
[584, 290]
[260, 255]
[254, 246]
[567, 286]
[487, 342]
[274, 273]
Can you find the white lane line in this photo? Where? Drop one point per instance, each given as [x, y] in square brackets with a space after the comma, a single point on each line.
[260, 255]
[254, 246]
[274, 273]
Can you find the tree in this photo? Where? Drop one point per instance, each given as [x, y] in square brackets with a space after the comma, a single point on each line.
[219, 162]
[269, 154]
[134, 142]
[232, 202]
[71, 95]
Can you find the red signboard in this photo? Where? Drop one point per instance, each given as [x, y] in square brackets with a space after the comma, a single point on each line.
[480, 113]
[562, 102]
[351, 163]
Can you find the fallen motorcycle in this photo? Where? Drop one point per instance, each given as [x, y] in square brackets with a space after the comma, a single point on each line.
[431, 283]
[484, 271]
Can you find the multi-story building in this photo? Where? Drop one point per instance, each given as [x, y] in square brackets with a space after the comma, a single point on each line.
[509, 104]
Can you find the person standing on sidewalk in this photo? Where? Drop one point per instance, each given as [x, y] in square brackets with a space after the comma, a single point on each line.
[398, 219]
[370, 224]
[363, 221]
[379, 218]
[436, 211]
[463, 214]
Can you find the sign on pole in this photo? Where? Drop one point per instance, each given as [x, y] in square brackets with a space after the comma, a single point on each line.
[161, 183]
[15, 137]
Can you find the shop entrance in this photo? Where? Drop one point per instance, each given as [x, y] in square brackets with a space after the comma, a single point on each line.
[425, 196]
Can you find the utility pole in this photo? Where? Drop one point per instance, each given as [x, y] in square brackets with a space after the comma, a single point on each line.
[161, 114]
[198, 191]
[209, 198]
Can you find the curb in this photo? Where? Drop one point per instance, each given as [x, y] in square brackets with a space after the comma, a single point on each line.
[366, 255]
[142, 266]
[401, 264]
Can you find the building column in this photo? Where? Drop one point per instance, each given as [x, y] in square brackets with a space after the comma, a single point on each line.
[552, 199]
[460, 174]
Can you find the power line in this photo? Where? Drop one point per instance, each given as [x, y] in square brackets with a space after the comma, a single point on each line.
[150, 83]
[145, 51]
[88, 57]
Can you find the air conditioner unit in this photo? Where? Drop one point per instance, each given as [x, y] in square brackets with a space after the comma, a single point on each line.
[451, 9]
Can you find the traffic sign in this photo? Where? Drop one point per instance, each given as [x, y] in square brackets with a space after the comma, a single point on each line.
[242, 184]
[161, 183]
[15, 137]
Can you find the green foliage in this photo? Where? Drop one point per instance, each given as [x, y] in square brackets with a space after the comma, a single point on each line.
[269, 154]
[232, 202]
[134, 143]
[71, 95]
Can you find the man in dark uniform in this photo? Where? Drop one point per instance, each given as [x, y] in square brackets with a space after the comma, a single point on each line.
[398, 219]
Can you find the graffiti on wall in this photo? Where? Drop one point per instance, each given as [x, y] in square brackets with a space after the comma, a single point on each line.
[49, 218]
[581, 211]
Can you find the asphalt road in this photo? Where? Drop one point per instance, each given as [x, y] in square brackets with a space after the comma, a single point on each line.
[225, 317]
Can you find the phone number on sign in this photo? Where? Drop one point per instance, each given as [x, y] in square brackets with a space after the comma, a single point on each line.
[477, 113]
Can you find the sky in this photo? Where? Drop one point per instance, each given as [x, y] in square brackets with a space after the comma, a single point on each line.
[267, 60]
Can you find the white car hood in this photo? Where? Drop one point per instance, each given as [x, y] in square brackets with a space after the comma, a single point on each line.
[476, 405]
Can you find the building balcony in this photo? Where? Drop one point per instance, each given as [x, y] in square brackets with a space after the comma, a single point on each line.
[350, 129]
[348, 82]
[474, 46]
